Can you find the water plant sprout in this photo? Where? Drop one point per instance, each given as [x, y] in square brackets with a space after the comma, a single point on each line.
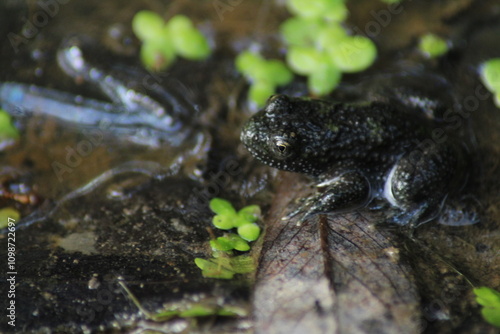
[223, 264]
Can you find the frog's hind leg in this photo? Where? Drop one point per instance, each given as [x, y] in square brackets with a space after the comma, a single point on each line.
[421, 180]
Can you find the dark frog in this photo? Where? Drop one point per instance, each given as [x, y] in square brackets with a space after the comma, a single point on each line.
[358, 152]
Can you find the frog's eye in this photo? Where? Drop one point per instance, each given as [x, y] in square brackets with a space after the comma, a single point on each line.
[273, 98]
[282, 147]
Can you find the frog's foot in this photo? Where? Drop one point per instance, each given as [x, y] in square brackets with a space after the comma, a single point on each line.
[458, 217]
[460, 213]
[417, 215]
[344, 193]
[305, 206]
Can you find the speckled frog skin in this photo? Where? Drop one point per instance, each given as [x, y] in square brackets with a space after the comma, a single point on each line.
[357, 152]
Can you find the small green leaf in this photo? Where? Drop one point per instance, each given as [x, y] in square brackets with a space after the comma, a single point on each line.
[197, 311]
[330, 35]
[214, 268]
[228, 311]
[249, 232]
[243, 264]
[224, 222]
[490, 74]
[304, 60]
[7, 130]
[250, 214]
[324, 79]
[337, 12]
[221, 206]
[246, 61]
[433, 46]
[7, 213]
[147, 25]
[221, 244]
[496, 99]
[238, 242]
[156, 55]
[164, 315]
[298, 31]
[313, 9]
[277, 72]
[489, 299]
[491, 315]
[353, 54]
[190, 44]
[179, 23]
[188, 41]
[240, 221]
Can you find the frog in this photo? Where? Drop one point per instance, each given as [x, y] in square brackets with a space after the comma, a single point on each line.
[360, 153]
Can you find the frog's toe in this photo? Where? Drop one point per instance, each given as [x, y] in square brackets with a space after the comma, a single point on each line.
[291, 215]
[417, 216]
[297, 212]
[457, 217]
[461, 213]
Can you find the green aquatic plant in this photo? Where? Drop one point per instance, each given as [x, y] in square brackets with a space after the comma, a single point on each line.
[186, 309]
[490, 76]
[433, 46]
[227, 218]
[225, 267]
[7, 129]
[489, 299]
[318, 47]
[264, 75]
[334, 10]
[163, 41]
[8, 215]
[223, 263]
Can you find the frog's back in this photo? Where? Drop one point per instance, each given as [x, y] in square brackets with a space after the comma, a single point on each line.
[359, 131]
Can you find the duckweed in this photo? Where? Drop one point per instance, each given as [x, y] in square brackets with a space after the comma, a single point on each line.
[7, 129]
[320, 48]
[7, 213]
[164, 41]
[490, 76]
[334, 10]
[265, 75]
[489, 299]
[433, 46]
[223, 264]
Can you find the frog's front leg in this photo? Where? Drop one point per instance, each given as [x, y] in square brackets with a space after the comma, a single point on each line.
[421, 180]
[340, 193]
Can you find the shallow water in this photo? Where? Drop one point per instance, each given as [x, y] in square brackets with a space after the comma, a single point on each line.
[147, 229]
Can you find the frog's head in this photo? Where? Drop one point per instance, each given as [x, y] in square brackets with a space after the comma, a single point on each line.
[275, 136]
